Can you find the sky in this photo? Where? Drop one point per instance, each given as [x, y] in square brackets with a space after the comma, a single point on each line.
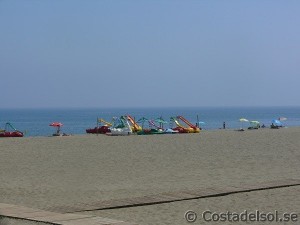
[158, 53]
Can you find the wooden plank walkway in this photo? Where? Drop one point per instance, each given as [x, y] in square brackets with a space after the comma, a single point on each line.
[66, 215]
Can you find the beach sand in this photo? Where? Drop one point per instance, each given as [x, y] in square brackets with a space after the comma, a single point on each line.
[14, 221]
[76, 173]
[282, 200]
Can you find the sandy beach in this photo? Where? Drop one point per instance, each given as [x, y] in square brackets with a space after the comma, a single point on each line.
[80, 173]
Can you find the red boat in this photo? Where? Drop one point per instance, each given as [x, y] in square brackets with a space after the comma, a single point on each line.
[11, 134]
[14, 133]
[98, 130]
[181, 129]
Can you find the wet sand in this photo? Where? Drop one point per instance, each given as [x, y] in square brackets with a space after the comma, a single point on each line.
[60, 173]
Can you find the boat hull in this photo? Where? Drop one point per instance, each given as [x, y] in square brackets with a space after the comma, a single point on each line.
[120, 131]
[11, 134]
[150, 132]
[98, 130]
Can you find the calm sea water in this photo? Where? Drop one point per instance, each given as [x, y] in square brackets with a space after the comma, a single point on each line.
[36, 121]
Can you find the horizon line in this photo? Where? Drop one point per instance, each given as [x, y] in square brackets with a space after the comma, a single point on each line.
[144, 107]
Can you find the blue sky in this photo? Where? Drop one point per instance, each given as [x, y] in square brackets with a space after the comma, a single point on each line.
[130, 53]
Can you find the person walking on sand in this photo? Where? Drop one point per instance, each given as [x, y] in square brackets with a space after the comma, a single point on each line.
[224, 125]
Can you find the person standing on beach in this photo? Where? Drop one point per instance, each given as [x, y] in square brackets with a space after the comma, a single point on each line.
[224, 125]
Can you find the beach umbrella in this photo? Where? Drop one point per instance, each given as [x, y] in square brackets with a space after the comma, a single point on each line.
[243, 120]
[277, 122]
[142, 121]
[282, 118]
[57, 125]
[200, 123]
[161, 122]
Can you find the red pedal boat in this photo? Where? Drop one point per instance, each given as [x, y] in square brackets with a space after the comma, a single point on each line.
[98, 130]
[14, 133]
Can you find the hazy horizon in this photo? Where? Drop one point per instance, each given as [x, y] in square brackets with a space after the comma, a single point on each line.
[148, 107]
[121, 54]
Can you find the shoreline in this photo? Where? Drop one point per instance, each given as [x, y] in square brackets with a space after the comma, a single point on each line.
[134, 134]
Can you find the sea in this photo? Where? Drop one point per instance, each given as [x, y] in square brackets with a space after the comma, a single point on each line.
[35, 122]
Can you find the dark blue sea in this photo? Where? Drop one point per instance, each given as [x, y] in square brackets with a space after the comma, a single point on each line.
[36, 121]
